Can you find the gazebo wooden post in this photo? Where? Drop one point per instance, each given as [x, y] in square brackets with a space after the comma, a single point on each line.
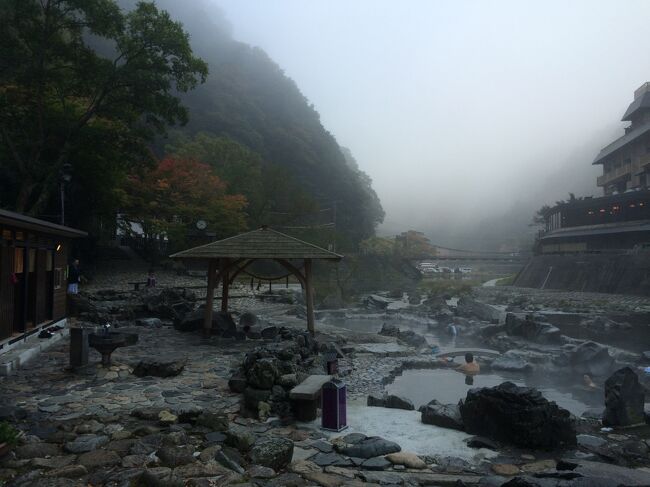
[225, 283]
[209, 298]
[309, 296]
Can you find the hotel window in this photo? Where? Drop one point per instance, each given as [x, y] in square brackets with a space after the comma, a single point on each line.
[49, 260]
[7, 234]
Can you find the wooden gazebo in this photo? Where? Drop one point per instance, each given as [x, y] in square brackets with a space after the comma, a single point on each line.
[229, 257]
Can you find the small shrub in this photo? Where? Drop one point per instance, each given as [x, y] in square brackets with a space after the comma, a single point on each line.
[8, 434]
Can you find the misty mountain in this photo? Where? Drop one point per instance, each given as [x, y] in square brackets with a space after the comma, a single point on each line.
[249, 99]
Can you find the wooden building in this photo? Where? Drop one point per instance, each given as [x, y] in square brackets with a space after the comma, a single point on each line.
[228, 258]
[616, 222]
[33, 275]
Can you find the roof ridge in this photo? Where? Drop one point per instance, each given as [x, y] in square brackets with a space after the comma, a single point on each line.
[203, 251]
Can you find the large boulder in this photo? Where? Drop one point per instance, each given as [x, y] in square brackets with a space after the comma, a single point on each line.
[442, 415]
[375, 302]
[263, 373]
[370, 447]
[247, 319]
[222, 323]
[591, 358]
[511, 361]
[159, 368]
[390, 401]
[624, 399]
[167, 302]
[275, 453]
[470, 308]
[517, 415]
[531, 329]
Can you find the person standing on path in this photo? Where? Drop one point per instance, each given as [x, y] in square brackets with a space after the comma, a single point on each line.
[74, 277]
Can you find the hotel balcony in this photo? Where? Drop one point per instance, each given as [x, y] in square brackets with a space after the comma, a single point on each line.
[615, 174]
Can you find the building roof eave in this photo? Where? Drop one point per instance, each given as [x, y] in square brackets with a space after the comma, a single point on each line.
[19, 220]
[621, 142]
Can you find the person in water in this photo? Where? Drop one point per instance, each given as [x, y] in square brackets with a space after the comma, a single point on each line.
[470, 366]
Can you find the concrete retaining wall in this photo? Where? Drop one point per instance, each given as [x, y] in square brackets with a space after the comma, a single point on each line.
[603, 273]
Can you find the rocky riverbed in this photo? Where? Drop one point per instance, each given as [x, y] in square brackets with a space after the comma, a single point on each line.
[178, 409]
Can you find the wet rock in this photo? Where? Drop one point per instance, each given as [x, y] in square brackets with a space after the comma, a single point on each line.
[241, 439]
[442, 415]
[470, 308]
[270, 332]
[325, 479]
[376, 302]
[38, 450]
[590, 441]
[237, 383]
[371, 447]
[222, 323]
[149, 322]
[624, 399]
[511, 361]
[12, 413]
[175, 456]
[482, 442]
[517, 415]
[213, 421]
[157, 477]
[85, 443]
[247, 319]
[149, 414]
[505, 469]
[253, 397]
[98, 458]
[304, 466]
[325, 459]
[408, 459]
[69, 472]
[91, 426]
[196, 469]
[274, 453]
[260, 472]
[53, 462]
[591, 358]
[166, 418]
[531, 329]
[376, 463]
[263, 373]
[390, 401]
[228, 461]
[159, 368]
[593, 413]
[288, 380]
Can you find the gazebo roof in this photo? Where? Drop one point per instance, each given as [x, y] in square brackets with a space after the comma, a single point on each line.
[263, 243]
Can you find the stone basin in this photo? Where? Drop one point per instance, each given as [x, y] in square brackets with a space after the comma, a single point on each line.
[106, 343]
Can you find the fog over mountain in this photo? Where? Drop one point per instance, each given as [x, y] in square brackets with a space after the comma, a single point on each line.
[464, 113]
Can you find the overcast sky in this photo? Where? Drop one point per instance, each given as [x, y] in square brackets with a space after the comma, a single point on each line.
[460, 108]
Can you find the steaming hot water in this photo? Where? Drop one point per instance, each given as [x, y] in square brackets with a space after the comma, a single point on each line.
[448, 386]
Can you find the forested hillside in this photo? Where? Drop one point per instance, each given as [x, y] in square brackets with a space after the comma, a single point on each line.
[249, 99]
[154, 112]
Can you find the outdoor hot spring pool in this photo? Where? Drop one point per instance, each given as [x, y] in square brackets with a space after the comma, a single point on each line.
[448, 386]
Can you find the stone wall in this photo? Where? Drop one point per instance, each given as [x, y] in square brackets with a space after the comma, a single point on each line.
[603, 273]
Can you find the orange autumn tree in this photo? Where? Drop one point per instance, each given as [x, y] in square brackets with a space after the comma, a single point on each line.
[166, 201]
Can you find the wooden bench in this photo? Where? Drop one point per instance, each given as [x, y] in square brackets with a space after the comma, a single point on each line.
[136, 285]
[305, 397]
